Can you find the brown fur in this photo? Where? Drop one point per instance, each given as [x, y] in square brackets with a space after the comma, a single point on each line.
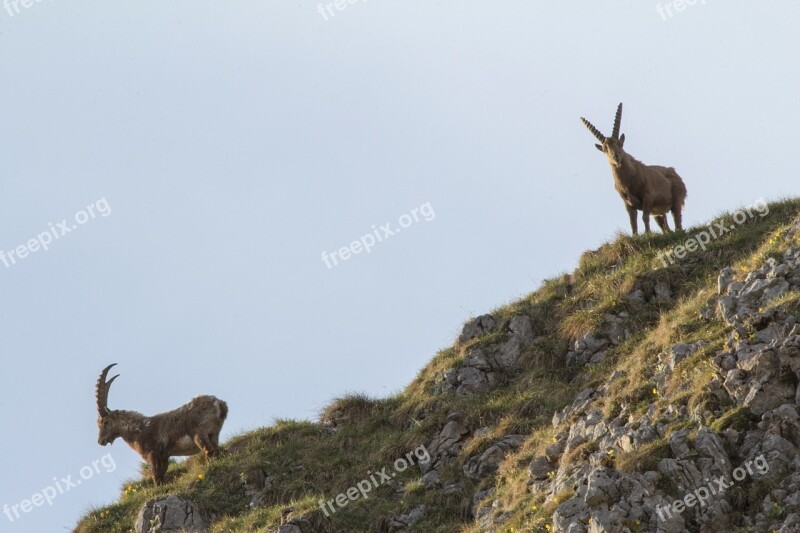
[650, 189]
[187, 430]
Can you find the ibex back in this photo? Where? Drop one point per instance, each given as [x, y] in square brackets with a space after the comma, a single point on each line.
[187, 430]
[650, 189]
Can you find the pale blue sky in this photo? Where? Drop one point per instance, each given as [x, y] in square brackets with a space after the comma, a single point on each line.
[234, 142]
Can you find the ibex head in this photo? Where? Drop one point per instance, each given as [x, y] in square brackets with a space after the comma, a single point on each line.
[107, 422]
[611, 146]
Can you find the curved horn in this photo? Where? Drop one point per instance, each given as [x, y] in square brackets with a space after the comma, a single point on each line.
[101, 390]
[617, 120]
[600, 136]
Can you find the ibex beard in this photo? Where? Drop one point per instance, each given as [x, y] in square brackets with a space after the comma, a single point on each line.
[651, 189]
[187, 430]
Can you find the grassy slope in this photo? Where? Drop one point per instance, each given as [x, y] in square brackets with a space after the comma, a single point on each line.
[306, 463]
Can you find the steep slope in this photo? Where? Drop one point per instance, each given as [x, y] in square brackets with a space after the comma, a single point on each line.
[593, 404]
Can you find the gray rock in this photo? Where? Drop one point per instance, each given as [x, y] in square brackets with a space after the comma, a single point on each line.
[297, 525]
[169, 515]
[759, 292]
[477, 327]
[521, 330]
[403, 522]
[600, 487]
[708, 444]
[759, 382]
[540, 468]
[602, 521]
[486, 464]
[726, 307]
[554, 451]
[482, 513]
[570, 516]
[582, 400]
[445, 446]
[470, 380]
[617, 331]
[663, 292]
[637, 298]
[485, 367]
[679, 444]
[724, 280]
[678, 353]
[431, 479]
[588, 347]
[683, 473]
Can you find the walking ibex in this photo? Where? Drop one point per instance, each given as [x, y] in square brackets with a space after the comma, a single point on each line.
[186, 430]
[650, 189]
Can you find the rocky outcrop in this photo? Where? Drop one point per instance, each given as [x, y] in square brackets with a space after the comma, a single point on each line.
[486, 463]
[744, 305]
[591, 347]
[169, 515]
[484, 367]
[306, 523]
[762, 367]
[446, 445]
[403, 522]
[255, 481]
[756, 378]
[477, 327]
[297, 525]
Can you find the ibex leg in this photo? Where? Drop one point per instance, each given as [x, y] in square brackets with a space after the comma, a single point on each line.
[205, 444]
[632, 215]
[677, 217]
[158, 467]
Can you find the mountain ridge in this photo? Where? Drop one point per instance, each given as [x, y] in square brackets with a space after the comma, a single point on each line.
[593, 404]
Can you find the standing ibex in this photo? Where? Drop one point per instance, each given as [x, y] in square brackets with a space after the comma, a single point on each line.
[650, 189]
[186, 430]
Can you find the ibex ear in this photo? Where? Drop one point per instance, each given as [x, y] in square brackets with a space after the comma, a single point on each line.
[621, 140]
[599, 147]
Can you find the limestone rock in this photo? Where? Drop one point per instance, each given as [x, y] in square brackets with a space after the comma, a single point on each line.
[169, 515]
[477, 327]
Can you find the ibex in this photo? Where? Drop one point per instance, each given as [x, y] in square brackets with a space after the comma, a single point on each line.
[186, 430]
[650, 189]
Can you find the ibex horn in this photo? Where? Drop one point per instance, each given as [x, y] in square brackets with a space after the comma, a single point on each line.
[600, 136]
[101, 390]
[617, 119]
